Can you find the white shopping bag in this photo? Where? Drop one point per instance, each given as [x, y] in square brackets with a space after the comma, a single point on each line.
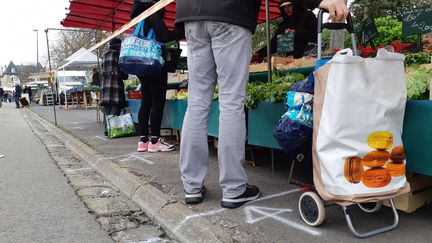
[359, 109]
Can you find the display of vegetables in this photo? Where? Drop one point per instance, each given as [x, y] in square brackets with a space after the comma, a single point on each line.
[418, 82]
[417, 58]
[181, 95]
[274, 91]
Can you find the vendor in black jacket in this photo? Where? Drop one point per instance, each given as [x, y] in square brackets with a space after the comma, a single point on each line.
[296, 19]
[153, 88]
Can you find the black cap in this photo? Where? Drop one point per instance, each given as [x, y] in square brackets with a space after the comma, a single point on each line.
[114, 42]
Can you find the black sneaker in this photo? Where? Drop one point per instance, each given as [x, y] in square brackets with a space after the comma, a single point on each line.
[252, 192]
[195, 198]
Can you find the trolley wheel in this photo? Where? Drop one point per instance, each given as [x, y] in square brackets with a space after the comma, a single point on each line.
[370, 207]
[311, 208]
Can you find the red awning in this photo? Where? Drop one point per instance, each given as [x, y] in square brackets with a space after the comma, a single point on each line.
[110, 15]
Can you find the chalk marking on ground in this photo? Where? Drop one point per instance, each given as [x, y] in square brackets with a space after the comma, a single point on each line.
[55, 145]
[80, 169]
[262, 211]
[99, 137]
[77, 128]
[134, 157]
[198, 215]
[275, 215]
[276, 195]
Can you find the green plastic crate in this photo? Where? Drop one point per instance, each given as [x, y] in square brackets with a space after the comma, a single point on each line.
[417, 136]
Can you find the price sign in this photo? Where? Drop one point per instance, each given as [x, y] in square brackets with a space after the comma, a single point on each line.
[285, 43]
[417, 21]
[366, 31]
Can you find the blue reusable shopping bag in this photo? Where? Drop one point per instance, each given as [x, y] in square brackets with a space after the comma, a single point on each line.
[294, 130]
[140, 55]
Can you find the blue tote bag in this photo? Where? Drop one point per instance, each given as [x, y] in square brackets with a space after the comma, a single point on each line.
[141, 55]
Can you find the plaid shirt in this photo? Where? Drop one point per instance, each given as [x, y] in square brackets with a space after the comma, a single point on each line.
[112, 88]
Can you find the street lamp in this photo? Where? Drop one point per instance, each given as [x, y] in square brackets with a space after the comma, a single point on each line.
[37, 50]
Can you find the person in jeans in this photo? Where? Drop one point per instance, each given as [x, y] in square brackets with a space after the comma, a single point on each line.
[219, 38]
[112, 91]
[153, 87]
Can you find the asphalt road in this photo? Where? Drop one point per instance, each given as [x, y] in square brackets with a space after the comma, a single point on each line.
[36, 202]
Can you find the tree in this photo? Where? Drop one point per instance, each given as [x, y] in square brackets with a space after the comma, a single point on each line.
[25, 73]
[69, 42]
[362, 9]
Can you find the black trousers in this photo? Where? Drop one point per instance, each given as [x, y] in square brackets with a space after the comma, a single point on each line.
[153, 97]
[111, 109]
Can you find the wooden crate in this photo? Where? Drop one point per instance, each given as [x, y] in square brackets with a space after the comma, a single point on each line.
[420, 194]
[257, 68]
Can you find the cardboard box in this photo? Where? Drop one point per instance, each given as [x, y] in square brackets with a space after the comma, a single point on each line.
[420, 194]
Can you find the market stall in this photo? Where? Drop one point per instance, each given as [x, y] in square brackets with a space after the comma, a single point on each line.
[81, 94]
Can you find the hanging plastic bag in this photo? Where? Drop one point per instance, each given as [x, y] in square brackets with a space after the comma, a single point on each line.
[359, 106]
[140, 55]
[120, 126]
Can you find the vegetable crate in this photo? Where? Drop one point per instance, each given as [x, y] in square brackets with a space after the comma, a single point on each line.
[420, 194]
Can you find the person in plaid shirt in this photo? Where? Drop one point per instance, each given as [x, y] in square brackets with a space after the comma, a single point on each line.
[112, 88]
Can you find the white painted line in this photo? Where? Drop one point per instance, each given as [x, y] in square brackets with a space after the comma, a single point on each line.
[276, 195]
[55, 145]
[134, 157]
[78, 170]
[249, 210]
[2, 156]
[77, 128]
[124, 155]
[99, 137]
[280, 219]
[198, 215]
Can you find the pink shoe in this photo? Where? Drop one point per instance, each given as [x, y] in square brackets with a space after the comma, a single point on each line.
[160, 146]
[142, 147]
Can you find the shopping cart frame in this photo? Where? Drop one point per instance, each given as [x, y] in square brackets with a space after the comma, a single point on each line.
[311, 205]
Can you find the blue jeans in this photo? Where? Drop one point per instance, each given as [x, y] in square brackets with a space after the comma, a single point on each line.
[17, 101]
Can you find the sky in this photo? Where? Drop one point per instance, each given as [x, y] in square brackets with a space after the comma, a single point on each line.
[18, 19]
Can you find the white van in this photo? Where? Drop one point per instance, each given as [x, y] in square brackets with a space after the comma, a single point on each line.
[69, 79]
[65, 80]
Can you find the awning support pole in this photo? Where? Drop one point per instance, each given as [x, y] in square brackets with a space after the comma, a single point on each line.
[97, 56]
[51, 78]
[269, 63]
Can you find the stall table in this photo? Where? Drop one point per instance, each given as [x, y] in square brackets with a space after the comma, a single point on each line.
[81, 91]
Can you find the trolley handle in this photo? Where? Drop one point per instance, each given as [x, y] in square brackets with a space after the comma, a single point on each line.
[335, 26]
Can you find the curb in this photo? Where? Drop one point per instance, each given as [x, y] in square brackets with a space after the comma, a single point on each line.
[178, 221]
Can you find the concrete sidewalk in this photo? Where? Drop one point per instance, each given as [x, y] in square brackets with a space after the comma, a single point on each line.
[273, 218]
[37, 204]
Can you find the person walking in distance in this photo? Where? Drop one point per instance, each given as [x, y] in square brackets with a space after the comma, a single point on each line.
[1, 96]
[219, 38]
[17, 95]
